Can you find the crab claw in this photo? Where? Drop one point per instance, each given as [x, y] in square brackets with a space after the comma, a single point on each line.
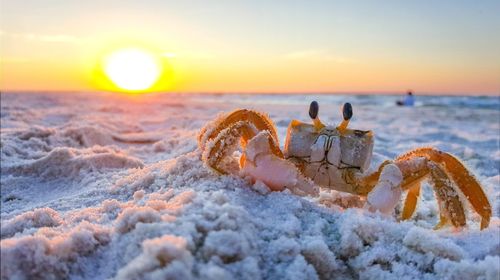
[277, 173]
[385, 195]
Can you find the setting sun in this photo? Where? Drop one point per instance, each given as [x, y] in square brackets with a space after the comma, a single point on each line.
[132, 69]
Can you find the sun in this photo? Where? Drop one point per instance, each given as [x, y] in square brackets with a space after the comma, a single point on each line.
[132, 69]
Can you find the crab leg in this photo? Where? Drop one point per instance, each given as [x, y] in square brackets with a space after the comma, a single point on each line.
[411, 201]
[414, 171]
[449, 201]
[443, 220]
[258, 120]
[366, 183]
[465, 181]
[225, 143]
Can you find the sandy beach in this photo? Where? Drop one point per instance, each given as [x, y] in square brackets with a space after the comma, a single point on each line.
[99, 186]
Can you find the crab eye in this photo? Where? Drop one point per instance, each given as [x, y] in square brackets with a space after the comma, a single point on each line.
[347, 111]
[313, 110]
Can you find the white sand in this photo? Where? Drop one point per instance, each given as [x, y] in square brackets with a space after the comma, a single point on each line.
[98, 186]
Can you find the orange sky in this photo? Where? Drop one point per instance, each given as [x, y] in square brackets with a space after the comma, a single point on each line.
[258, 46]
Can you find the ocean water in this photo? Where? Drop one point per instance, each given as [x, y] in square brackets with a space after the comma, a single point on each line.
[477, 102]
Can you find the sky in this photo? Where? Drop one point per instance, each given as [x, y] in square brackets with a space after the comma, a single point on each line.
[449, 47]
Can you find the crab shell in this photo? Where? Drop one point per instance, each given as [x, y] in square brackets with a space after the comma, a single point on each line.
[323, 155]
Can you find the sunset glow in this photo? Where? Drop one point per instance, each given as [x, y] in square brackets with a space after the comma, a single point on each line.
[212, 46]
[132, 69]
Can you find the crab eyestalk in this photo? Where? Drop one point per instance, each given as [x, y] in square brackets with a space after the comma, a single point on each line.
[347, 114]
[313, 113]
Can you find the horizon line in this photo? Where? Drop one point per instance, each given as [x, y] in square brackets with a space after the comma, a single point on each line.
[376, 92]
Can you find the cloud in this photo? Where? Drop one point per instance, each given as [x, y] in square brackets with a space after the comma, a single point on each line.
[55, 38]
[188, 55]
[316, 54]
[58, 38]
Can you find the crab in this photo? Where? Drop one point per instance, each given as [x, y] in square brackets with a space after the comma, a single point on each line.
[317, 156]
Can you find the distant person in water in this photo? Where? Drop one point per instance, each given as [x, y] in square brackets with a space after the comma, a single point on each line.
[408, 101]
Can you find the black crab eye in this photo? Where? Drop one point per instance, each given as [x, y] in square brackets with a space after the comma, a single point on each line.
[313, 110]
[347, 111]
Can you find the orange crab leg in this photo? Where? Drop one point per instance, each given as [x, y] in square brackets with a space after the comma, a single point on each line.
[259, 120]
[443, 220]
[223, 143]
[448, 197]
[414, 171]
[227, 139]
[365, 184]
[466, 182]
[470, 187]
[411, 201]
